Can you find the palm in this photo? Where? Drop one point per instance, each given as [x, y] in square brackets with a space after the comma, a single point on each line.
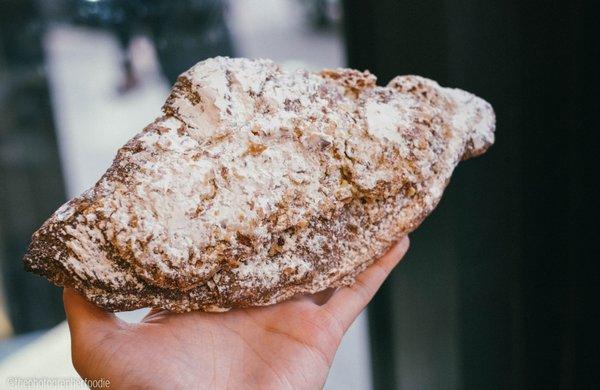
[288, 345]
[198, 346]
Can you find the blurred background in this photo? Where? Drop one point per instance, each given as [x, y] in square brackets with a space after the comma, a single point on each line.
[500, 287]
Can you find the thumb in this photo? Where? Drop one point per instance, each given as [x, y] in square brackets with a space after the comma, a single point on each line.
[87, 321]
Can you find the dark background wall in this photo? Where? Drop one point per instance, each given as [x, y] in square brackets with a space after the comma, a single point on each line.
[498, 289]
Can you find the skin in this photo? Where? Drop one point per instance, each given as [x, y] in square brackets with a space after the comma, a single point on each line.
[289, 345]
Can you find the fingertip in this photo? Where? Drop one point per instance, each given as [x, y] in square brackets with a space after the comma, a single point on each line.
[393, 256]
[406, 241]
[400, 248]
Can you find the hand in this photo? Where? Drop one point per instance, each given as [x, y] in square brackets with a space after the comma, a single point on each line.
[289, 345]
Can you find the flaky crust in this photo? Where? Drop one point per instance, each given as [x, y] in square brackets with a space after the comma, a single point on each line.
[258, 184]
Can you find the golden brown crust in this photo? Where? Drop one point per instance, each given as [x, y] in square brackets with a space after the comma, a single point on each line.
[259, 184]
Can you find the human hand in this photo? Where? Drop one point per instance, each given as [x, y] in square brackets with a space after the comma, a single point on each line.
[288, 345]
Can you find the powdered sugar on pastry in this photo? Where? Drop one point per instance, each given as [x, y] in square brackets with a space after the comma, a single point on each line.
[258, 184]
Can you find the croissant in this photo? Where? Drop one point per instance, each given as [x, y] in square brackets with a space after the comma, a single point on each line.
[258, 184]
